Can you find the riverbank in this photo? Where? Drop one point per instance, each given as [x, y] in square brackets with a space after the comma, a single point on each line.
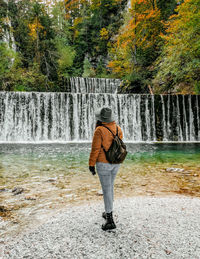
[147, 227]
[37, 181]
[36, 198]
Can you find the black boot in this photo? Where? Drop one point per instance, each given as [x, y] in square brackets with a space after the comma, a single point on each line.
[110, 224]
[104, 215]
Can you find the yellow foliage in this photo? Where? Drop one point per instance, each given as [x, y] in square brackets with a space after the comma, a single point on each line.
[104, 34]
[77, 21]
[35, 28]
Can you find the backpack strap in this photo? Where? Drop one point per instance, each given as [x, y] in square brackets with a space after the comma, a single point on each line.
[111, 130]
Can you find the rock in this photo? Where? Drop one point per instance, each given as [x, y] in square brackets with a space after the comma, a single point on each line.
[36, 177]
[171, 169]
[3, 190]
[93, 190]
[100, 192]
[30, 198]
[3, 208]
[167, 252]
[69, 195]
[17, 190]
[51, 179]
[15, 222]
[186, 173]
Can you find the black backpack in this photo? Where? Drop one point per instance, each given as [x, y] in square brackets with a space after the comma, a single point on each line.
[117, 151]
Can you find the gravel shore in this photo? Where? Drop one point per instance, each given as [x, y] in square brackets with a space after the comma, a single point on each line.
[147, 227]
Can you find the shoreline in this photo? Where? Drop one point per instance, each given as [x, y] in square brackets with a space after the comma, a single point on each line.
[45, 216]
[44, 194]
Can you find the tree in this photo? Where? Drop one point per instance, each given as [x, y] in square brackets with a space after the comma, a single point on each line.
[179, 63]
[137, 44]
[7, 63]
[167, 8]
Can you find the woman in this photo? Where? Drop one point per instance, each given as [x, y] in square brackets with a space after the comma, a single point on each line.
[102, 139]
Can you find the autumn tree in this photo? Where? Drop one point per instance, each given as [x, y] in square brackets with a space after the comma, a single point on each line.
[137, 44]
[179, 64]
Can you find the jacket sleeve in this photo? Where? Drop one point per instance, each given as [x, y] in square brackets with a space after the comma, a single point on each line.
[96, 147]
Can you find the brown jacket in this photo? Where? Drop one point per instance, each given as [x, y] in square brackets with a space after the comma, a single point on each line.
[102, 136]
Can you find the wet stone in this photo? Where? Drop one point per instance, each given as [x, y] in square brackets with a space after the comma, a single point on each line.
[3, 208]
[4, 189]
[51, 179]
[17, 190]
[100, 192]
[30, 198]
[171, 169]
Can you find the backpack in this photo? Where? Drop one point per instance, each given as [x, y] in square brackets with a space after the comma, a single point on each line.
[117, 151]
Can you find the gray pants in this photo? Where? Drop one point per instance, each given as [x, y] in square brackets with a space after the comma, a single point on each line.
[107, 173]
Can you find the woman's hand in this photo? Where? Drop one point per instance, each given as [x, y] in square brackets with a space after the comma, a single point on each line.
[92, 170]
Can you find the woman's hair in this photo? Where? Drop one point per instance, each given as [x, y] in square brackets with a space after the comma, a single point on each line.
[98, 123]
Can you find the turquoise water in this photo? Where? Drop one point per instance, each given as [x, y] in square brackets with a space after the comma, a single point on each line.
[29, 158]
[165, 153]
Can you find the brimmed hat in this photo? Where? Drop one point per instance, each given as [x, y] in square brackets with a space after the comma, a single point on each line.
[105, 115]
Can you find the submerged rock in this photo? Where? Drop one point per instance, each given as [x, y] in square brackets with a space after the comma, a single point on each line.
[52, 179]
[171, 169]
[30, 198]
[17, 190]
[3, 190]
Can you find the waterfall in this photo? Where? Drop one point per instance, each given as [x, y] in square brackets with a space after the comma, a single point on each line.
[92, 85]
[70, 116]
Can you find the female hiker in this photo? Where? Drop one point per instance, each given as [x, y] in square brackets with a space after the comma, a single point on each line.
[102, 139]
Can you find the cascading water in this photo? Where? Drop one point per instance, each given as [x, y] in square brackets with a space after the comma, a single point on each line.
[92, 85]
[70, 116]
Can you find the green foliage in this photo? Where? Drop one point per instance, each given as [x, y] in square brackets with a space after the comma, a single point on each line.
[100, 38]
[197, 87]
[8, 63]
[179, 64]
[167, 8]
[66, 55]
[87, 69]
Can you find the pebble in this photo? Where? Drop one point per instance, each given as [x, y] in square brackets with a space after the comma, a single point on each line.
[171, 169]
[30, 198]
[52, 179]
[69, 195]
[4, 190]
[161, 230]
[17, 190]
[100, 192]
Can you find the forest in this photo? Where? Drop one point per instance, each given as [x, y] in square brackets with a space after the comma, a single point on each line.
[153, 46]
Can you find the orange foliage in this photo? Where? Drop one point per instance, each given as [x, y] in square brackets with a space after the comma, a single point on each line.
[73, 6]
[142, 31]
